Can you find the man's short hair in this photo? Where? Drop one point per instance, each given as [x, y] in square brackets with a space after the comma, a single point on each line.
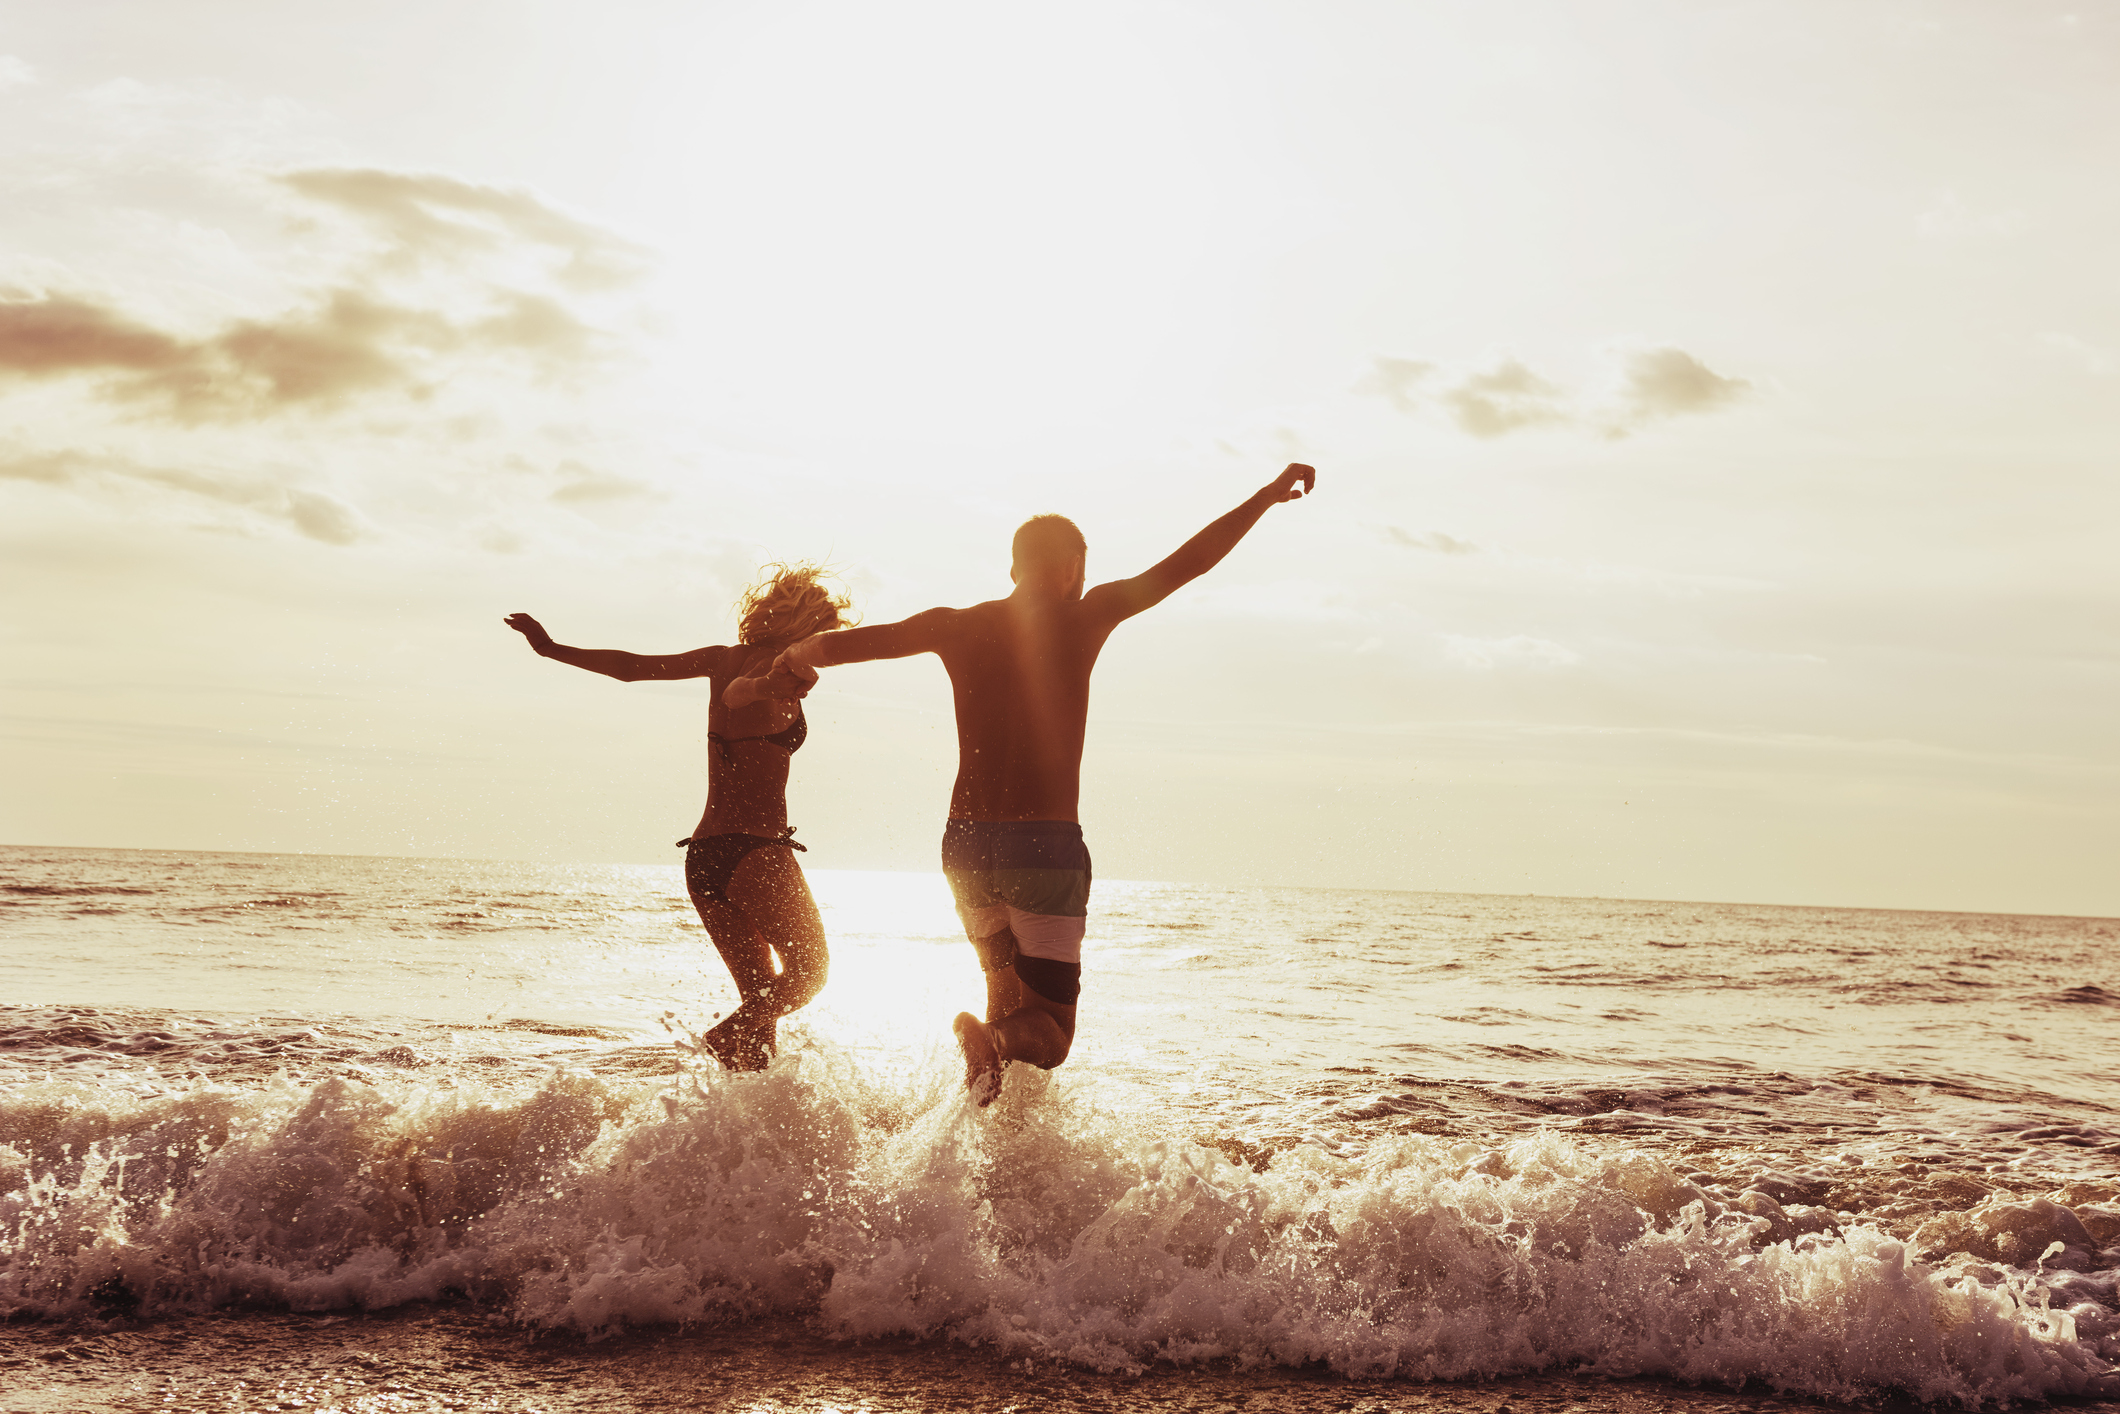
[1047, 540]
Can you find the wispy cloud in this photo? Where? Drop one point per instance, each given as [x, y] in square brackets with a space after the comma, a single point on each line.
[1433, 540]
[15, 72]
[1515, 651]
[427, 219]
[315, 514]
[1395, 379]
[322, 517]
[351, 338]
[1508, 395]
[588, 486]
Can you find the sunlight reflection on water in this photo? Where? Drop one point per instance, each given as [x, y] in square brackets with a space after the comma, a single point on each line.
[1242, 986]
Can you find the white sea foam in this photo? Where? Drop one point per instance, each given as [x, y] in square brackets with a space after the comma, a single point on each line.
[1047, 1226]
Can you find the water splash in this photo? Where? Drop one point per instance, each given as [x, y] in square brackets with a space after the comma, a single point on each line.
[880, 1203]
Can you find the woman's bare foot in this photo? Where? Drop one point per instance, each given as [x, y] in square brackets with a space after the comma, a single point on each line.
[738, 1044]
[983, 1060]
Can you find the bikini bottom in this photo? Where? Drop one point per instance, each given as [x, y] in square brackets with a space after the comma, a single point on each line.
[711, 859]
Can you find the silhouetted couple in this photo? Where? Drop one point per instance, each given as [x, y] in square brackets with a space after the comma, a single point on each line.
[1012, 848]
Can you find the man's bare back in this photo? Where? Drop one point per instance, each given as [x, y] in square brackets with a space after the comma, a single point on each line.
[1019, 670]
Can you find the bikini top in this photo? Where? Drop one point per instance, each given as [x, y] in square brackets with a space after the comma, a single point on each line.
[789, 738]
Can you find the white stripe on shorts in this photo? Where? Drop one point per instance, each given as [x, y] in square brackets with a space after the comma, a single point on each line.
[1037, 934]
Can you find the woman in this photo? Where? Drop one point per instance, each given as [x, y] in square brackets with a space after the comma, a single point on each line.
[740, 862]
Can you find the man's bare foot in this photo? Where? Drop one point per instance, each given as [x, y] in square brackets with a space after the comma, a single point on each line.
[982, 1058]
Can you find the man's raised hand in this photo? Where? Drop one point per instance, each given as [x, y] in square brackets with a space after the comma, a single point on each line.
[1284, 488]
[531, 629]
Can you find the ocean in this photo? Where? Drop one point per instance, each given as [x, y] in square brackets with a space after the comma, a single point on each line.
[334, 1132]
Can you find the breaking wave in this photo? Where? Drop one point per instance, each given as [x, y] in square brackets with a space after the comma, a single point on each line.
[1046, 1226]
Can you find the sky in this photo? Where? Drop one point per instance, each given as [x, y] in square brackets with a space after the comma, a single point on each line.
[1716, 411]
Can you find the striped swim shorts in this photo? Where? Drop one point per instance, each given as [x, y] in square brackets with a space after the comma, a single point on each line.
[1030, 878]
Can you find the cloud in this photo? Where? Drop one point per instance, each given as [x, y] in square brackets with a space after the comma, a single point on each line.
[1434, 540]
[322, 517]
[1516, 651]
[1668, 382]
[15, 72]
[427, 218]
[51, 468]
[314, 514]
[1509, 396]
[1394, 379]
[57, 334]
[348, 342]
[354, 337]
[1487, 403]
[1505, 399]
[590, 486]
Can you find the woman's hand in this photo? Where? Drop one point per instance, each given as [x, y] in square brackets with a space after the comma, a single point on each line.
[531, 629]
[787, 686]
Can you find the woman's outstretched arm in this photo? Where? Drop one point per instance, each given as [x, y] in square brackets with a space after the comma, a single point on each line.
[626, 667]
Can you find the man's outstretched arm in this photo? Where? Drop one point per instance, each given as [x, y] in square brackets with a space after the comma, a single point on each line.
[1123, 598]
[922, 633]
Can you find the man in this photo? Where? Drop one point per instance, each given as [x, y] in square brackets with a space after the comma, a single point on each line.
[1019, 668]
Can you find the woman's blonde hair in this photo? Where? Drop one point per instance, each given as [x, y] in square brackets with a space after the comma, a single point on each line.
[787, 605]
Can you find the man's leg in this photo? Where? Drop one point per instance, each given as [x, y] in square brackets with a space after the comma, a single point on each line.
[997, 959]
[1047, 968]
[1030, 1003]
[1034, 1022]
[1008, 878]
[1039, 1031]
[981, 1044]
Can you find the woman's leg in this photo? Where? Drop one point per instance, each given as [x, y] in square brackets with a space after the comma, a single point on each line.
[768, 910]
[734, 1041]
[768, 888]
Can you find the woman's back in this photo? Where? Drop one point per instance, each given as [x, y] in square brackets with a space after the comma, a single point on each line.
[751, 748]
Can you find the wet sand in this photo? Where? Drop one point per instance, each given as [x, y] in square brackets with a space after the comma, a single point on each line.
[443, 1358]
